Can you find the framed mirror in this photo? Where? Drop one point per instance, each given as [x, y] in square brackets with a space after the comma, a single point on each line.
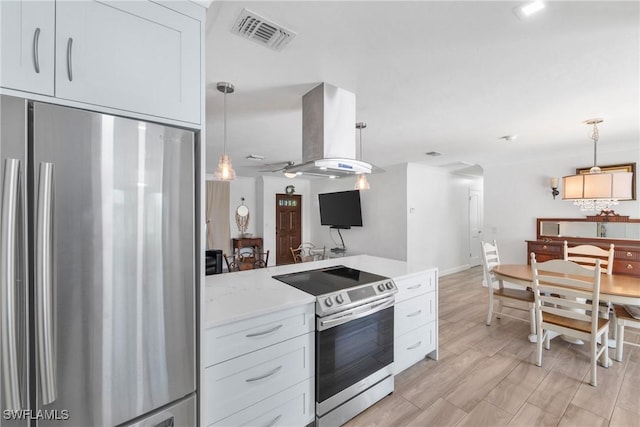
[582, 228]
[242, 219]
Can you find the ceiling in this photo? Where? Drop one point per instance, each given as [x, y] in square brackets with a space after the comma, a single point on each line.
[445, 76]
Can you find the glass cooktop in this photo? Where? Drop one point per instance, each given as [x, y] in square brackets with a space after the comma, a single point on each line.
[327, 280]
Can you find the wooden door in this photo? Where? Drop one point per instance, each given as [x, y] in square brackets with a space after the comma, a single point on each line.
[288, 226]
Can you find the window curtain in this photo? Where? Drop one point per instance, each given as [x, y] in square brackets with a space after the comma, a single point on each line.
[218, 230]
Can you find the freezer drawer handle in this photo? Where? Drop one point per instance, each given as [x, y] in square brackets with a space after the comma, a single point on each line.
[169, 422]
[275, 421]
[36, 56]
[8, 321]
[69, 62]
[44, 283]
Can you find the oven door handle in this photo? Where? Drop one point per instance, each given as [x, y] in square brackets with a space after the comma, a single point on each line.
[355, 313]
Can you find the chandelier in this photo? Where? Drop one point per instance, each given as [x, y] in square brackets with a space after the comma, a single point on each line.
[597, 190]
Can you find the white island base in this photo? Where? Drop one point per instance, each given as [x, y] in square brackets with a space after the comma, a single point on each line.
[258, 339]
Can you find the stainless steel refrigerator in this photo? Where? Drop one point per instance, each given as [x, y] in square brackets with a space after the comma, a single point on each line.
[97, 266]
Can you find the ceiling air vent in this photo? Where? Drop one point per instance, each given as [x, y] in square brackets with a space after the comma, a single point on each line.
[433, 153]
[254, 27]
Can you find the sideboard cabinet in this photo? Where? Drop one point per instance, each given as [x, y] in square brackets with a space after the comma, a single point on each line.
[552, 232]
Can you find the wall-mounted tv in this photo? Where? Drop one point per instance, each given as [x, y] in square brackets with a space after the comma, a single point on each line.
[340, 209]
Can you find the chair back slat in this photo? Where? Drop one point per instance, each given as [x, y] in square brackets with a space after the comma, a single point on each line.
[490, 259]
[586, 255]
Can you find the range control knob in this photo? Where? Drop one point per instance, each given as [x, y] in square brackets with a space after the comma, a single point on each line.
[339, 299]
[381, 287]
[328, 302]
[389, 285]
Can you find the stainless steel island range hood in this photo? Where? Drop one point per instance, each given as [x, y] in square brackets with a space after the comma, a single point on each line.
[329, 134]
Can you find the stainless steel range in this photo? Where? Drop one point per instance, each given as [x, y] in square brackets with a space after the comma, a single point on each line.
[354, 339]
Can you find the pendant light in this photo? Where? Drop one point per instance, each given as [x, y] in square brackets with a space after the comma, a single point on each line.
[225, 171]
[597, 190]
[361, 180]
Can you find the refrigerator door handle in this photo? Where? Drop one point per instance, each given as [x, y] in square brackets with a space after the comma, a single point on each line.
[8, 323]
[44, 283]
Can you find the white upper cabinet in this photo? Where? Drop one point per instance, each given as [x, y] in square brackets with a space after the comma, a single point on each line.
[136, 56]
[27, 34]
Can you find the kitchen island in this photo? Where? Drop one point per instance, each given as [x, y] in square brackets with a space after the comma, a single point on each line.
[258, 339]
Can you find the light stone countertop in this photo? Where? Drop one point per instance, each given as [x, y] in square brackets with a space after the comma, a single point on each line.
[231, 297]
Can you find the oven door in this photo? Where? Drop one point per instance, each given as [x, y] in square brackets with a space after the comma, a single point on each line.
[351, 345]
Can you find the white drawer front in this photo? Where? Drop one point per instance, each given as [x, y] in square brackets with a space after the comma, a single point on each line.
[416, 284]
[294, 406]
[233, 385]
[414, 312]
[413, 346]
[235, 339]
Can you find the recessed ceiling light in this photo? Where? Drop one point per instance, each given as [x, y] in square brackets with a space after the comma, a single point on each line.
[254, 157]
[509, 137]
[433, 153]
[529, 9]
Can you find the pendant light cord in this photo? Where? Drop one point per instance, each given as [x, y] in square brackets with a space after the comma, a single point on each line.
[224, 143]
[595, 136]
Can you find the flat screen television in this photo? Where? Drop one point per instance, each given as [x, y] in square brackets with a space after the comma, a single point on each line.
[340, 209]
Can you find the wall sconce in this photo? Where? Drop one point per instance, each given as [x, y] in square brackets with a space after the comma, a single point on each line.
[554, 187]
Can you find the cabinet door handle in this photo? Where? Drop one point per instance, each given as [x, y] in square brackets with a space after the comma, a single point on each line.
[629, 267]
[268, 331]
[36, 55]
[629, 254]
[69, 62]
[414, 314]
[419, 285]
[416, 345]
[261, 377]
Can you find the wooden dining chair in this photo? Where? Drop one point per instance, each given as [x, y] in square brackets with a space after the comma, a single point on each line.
[501, 297]
[586, 255]
[261, 259]
[232, 263]
[567, 297]
[303, 253]
[624, 317]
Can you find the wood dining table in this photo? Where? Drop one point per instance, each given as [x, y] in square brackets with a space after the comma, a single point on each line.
[614, 288]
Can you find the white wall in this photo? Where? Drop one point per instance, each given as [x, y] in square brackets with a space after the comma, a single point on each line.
[438, 217]
[384, 220]
[517, 193]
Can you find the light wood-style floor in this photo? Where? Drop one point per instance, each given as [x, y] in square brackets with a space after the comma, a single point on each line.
[486, 375]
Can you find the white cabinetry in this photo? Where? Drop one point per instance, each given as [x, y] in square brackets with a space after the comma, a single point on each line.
[260, 371]
[416, 319]
[27, 34]
[137, 56]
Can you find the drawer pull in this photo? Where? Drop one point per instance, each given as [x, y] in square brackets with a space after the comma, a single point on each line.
[416, 345]
[414, 314]
[267, 375]
[419, 285]
[544, 246]
[629, 267]
[629, 254]
[268, 331]
[275, 421]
